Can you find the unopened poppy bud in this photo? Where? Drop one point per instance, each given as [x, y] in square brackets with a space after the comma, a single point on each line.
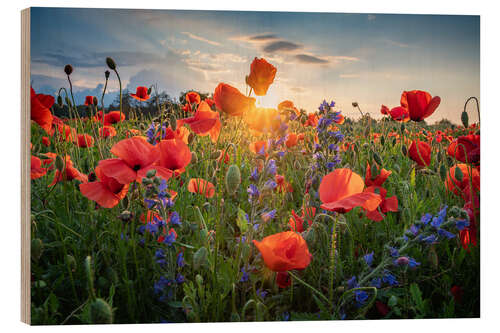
[233, 179]
[151, 173]
[310, 235]
[397, 168]
[355, 104]
[377, 159]
[402, 127]
[36, 248]
[149, 91]
[146, 181]
[71, 262]
[402, 261]
[59, 163]
[190, 138]
[459, 175]
[59, 101]
[106, 74]
[111, 63]
[125, 216]
[215, 155]
[101, 312]
[157, 180]
[404, 150]
[465, 119]
[95, 101]
[68, 69]
[194, 157]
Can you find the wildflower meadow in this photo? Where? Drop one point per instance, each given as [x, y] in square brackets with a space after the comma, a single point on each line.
[208, 208]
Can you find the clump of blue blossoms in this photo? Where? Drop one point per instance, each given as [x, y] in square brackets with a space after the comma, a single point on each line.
[326, 151]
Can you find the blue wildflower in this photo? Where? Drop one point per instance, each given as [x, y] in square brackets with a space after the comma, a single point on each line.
[412, 263]
[160, 254]
[169, 239]
[426, 218]
[368, 258]
[376, 282]
[352, 283]
[254, 175]
[175, 218]
[253, 192]
[445, 233]
[393, 251]
[271, 167]
[180, 278]
[389, 278]
[270, 184]
[430, 239]
[461, 224]
[269, 215]
[245, 277]
[361, 297]
[180, 259]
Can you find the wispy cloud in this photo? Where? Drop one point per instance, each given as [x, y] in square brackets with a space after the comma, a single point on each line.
[398, 44]
[201, 39]
[280, 46]
[310, 59]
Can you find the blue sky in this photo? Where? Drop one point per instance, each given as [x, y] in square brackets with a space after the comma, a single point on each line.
[344, 57]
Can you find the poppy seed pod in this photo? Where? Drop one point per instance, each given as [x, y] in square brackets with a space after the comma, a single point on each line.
[354, 104]
[111, 63]
[233, 179]
[68, 69]
[459, 175]
[101, 312]
[36, 248]
[106, 74]
[377, 159]
[151, 173]
[465, 119]
[59, 101]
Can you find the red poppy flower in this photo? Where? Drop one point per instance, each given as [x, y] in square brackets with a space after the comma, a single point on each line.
[283, 279]
[420, 152]
[259, 147]
[457, 293]
[174, 156]
[66, 132]
[312, 120]
[193, 98]
[466, 149]
[89, 100]
[387, 204]
[379, 179]
[261, 76]
[229, 100]
[113, 117]
[141, 94]
[420, 104]
[132, 132]
[284, 251]
[181, 133]
[134, 155]
[84, 140]
[45, 141]
[205, 122]
[340, 119]
[40, 110]
[223, 157]
[201, 186]
[68, 173]
[384, 109]
[107, 131]
[187, 108]
[341, 190]
[282, 185]
[296, 222]
[382, 308]
[210, 102]
[170, 232]
[468, 236]
[37, 170]
[288, 106]
[106, 191]
[462, 188]
[291, 140]
[400, 113]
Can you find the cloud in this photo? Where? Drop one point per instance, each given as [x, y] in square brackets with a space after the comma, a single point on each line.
[264, 37]
[201, 39]
[398, 44]
[281, 45]
[349, 76]
[310, 59]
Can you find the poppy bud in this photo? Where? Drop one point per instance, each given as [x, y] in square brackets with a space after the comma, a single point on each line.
[194, 157]
[433, 257]
[377, 159]
[95, 101]
[404, 150]
[101, 312]
[68, 69]
[233, 179]
[147, 181]
[190, 138]
[199, 278]
[354, 104]
[36, 248]
[157, 181]
[215, 155]
[71, 262]
[111, 63]
[382, 140]
[59, 163]
[459, 175]
[59, 101]
[465, 119]
[149, 91]
[442, 172]
[310, 235]
[402, 127]
[151, 173]
[394, 141]
[106, 74]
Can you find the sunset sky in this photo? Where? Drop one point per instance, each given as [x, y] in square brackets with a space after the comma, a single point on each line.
[366, 58]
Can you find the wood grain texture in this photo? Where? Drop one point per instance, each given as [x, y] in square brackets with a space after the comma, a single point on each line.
[25, 169]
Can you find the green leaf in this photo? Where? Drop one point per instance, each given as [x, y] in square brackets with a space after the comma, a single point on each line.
[241, 220]
[393, 300]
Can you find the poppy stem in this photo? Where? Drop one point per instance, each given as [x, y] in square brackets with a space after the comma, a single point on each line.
[477, 106]
[323, 297]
